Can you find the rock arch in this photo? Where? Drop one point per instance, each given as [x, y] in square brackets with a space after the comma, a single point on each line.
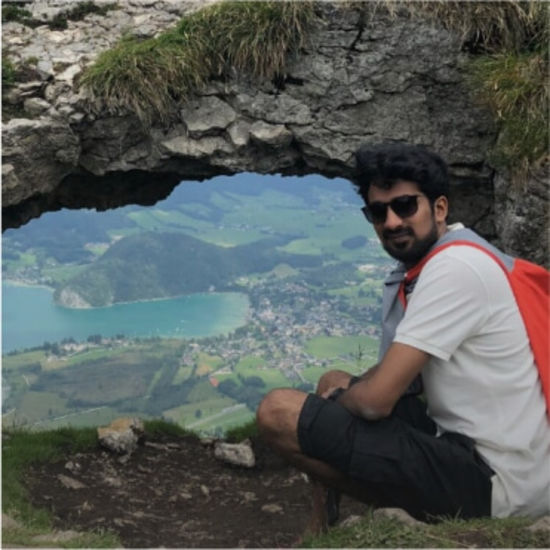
[396, 79]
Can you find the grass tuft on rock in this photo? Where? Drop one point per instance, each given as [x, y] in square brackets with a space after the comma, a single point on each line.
[508, 71]
[510, 25]
[240, 433]
[151, 77]
[516, 88]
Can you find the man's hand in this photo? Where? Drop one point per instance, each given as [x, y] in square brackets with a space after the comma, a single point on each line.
[326, 394]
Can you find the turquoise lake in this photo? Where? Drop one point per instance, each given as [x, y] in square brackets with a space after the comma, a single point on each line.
[30, 317]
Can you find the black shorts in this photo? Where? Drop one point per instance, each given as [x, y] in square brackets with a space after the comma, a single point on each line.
[398, 461]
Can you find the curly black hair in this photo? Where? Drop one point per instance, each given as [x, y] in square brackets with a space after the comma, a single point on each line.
[387, 163]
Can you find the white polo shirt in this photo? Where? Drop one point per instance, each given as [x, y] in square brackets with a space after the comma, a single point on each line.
[481, 380]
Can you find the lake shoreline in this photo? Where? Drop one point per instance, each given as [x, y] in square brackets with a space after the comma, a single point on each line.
[18, 283]
[30, 317]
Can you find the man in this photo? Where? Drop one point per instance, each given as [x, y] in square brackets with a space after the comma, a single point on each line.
[483, 446]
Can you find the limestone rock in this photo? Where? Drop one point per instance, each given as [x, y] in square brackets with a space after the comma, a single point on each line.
[542, 524]
[239, 133]
[36, 106]
[275, 135]
[199, 148]
[42, 153]
[397, 514]
[210, 115]
[122, 435]
[238, 454]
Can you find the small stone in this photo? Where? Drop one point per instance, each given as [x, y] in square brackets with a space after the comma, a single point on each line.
[272, 508]
[113, 481]
[72, 466]
[185, 495]
[205, 490]
[122, 435]
[249, 496]
[70, 482]
[238, 454]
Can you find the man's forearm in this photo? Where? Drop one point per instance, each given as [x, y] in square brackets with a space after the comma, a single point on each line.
[375, 395]
[353, 400]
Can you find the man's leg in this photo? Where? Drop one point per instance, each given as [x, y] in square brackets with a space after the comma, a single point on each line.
[326, 501]
[277, 419]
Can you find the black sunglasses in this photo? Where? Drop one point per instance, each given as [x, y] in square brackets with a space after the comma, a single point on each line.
[404, 206]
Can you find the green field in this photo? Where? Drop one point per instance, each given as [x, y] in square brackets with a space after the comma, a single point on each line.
[187, 414]
[325, 347]
[100, 416]
[11, 362]
[182, 374]
[225, 421]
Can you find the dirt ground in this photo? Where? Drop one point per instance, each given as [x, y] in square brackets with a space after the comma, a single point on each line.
[173, 493]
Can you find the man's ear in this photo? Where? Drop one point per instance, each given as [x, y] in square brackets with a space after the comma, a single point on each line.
[441, 208]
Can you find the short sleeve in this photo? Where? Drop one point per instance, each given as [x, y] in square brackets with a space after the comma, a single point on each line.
[449, 304]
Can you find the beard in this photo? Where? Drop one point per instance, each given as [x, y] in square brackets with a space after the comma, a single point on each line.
[409, 252]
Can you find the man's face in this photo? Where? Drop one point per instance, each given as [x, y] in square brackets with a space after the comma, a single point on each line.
[408, 238]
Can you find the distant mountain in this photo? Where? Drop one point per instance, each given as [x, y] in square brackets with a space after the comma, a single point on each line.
[161, 265]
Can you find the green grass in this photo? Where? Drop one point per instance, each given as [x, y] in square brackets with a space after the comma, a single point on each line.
[158, 426]
[389, 533]
[151, 77]
[242, 432]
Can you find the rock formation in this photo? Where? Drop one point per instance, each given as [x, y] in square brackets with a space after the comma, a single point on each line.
[357, 81]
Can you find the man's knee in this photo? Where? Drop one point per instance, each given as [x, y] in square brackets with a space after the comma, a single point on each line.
[279, 410]
[333, 379]
[269, 408]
